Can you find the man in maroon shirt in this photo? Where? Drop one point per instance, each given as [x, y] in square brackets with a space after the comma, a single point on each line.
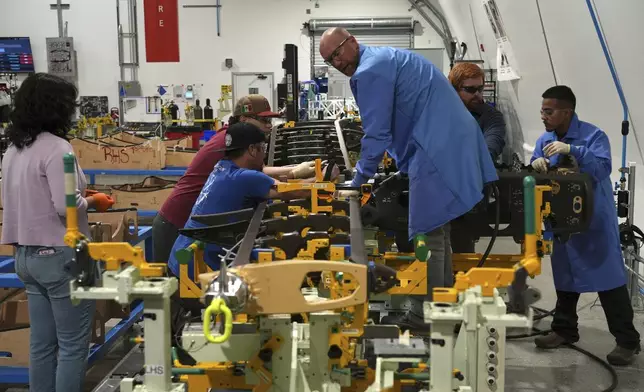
[175, 212]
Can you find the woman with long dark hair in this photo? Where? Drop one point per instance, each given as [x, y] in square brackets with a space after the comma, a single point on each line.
[33, 197]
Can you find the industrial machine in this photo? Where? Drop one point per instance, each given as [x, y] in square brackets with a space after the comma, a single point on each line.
[293, 143]
[269, 325]
[297, 302]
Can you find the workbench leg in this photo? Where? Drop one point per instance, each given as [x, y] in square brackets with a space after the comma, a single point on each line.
[158, 364]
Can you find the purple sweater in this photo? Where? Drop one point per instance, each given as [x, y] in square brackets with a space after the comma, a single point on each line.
[33, 193]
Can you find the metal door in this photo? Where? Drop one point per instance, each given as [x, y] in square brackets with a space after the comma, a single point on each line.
[245, 83]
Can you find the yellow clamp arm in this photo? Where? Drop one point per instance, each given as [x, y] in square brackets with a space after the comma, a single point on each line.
[216, 307]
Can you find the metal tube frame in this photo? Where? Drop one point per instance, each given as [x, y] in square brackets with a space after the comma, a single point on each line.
[133, 36]
[632, 258]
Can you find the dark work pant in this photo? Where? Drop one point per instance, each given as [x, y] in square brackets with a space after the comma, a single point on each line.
[164, 234]
[617, 308]
[462, 244]
[439, 268]
[182, 312]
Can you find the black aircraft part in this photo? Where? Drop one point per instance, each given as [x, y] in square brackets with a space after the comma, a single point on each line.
[307, 150]
[225, 217]
[388, 207]
[381, 278]
[83, 266]
[226, 235]
[292, 243]
[571, 204]
[297, 223]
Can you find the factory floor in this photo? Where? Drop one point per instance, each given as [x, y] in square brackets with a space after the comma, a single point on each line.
[528, 369]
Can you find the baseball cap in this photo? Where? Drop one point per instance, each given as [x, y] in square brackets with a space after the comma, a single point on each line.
[254, 104]
[242, 135]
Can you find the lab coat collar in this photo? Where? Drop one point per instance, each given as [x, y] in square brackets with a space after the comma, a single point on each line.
[573, 129]
[361, 49]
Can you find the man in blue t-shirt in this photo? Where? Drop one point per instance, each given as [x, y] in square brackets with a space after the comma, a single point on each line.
[237, 182]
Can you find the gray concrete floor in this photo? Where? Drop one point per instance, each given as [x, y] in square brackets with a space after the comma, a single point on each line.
[565, 370]
[528, 368]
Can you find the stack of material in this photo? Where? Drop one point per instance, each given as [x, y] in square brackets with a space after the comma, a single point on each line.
[312, 140]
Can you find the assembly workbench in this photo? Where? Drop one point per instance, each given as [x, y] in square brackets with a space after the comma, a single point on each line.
[8, 279]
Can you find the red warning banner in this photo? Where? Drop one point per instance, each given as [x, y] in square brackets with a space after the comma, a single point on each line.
[161, 31]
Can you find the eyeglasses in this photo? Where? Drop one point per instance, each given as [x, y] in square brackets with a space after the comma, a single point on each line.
[473, 89]
[549, 112]
[329, 61]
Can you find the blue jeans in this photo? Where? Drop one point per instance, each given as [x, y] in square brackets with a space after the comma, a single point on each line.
[60, 331]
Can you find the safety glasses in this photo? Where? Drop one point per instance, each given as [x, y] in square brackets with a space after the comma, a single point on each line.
[473, 89]
[549, 112]
[335, 53]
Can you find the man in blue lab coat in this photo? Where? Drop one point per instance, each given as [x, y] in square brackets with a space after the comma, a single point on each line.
[409, 109]
[590, 261]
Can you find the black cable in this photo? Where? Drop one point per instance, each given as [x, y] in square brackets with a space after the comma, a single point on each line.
[544, 313]
[604, 364]
[497, 223]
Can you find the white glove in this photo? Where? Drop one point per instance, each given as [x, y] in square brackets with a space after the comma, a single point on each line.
[304, 170]
[556, 148]
[541, 165]
[346, 194]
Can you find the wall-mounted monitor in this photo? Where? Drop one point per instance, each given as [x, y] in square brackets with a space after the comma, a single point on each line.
[15, 55]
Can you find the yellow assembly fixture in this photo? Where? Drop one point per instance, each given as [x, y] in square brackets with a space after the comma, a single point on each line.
[535, 247]
[114, 253]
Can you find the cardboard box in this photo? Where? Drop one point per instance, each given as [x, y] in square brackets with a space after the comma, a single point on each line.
[105, 311]
[115, 155]
[17, 343]
[179, 157]
[119, 222]
[13, 310]
[130, 138]
[150, 194]
[100, 232]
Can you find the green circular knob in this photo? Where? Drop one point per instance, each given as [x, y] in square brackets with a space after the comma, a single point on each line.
[184, 256]
[421, 248]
